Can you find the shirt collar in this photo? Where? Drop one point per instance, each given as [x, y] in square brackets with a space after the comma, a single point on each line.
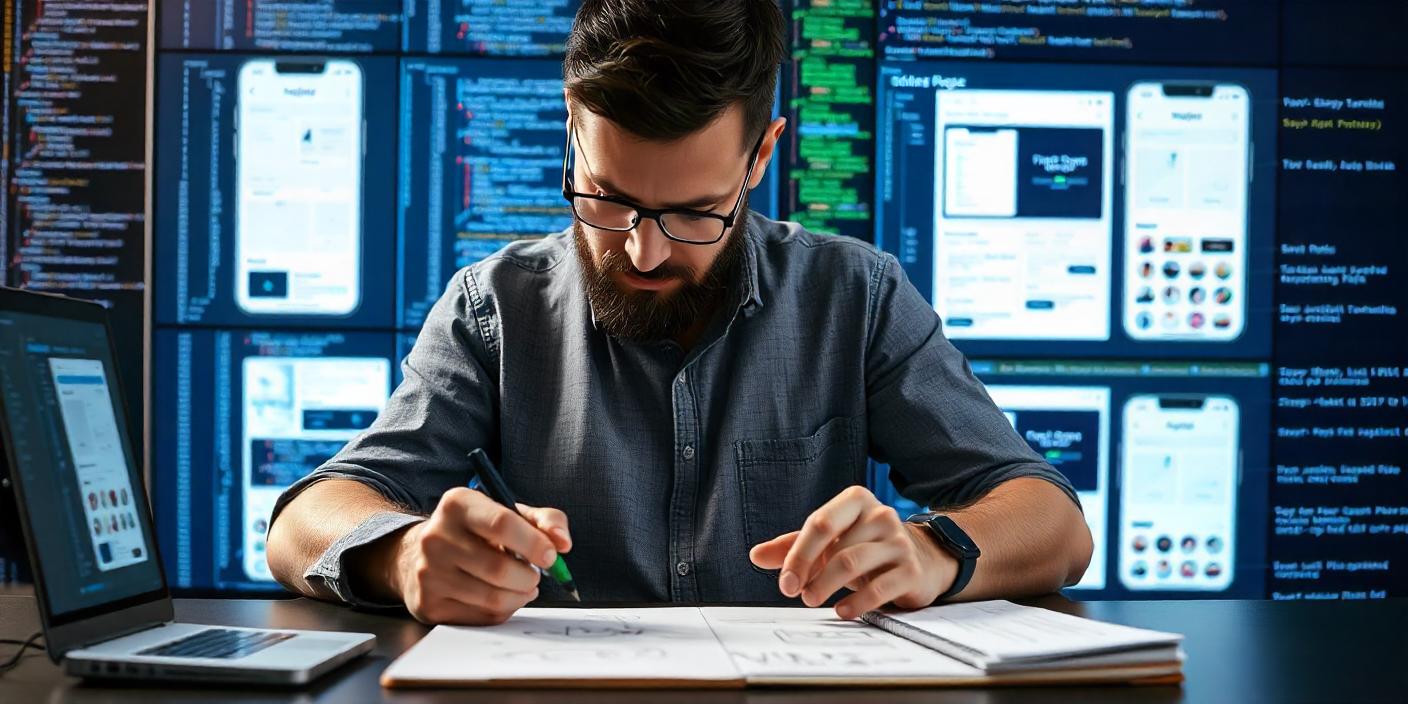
[751, 296]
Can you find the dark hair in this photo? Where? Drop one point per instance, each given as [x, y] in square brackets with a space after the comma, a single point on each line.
[663, 69]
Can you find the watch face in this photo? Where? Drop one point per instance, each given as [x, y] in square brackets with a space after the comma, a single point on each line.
[955, 535]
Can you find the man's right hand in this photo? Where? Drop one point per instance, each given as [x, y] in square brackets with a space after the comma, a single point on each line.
[456, 567]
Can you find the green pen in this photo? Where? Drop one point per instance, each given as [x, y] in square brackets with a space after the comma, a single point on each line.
[497, 489]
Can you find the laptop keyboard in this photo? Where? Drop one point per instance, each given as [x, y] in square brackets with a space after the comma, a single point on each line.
[218, 644]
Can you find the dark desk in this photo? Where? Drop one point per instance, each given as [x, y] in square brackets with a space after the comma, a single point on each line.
[1242, 651]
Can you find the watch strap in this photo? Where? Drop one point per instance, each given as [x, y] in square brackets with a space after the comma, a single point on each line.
[949, 535]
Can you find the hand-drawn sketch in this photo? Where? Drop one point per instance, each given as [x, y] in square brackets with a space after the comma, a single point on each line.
[586, 626]
[820, 658]
[831, 637]
[578, 655]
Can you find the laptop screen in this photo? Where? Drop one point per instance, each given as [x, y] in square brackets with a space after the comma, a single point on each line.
[88, 514]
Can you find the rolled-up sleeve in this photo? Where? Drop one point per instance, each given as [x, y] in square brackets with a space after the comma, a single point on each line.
[415, 449]
[930, 419]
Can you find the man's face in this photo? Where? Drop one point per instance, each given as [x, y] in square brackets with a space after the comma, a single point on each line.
[642, 284]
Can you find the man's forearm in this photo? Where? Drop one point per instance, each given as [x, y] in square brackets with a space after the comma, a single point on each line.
[1034, 540]
[319, 517]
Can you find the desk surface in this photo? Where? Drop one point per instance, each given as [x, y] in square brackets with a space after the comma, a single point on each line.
[1242, 651]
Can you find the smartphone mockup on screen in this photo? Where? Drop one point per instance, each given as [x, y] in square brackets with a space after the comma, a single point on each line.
[298, 412]
[1187, 183]
[1023, 227]
[1180, 468]
[298, 155]
[1069, 426]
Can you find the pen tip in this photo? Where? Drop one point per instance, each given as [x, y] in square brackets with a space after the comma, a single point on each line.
[575, 596]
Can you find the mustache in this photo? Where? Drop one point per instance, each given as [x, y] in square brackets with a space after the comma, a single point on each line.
[616, 262]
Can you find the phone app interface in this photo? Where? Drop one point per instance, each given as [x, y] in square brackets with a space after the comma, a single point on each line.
[1179, 492]
[1069, 426]
[99, 460]
[298, 412]
[1186, 212]
[299, 161]
[1023, 226]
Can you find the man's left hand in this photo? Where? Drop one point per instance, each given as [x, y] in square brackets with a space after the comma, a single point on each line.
[856, 542]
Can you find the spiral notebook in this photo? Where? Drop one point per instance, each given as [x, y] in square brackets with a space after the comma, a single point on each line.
[986, 643]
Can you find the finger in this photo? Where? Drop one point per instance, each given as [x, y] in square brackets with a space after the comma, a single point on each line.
[874, 525]
[883, 589]
[467, 599]
[825, 525]
[475, 557]
[768, 555]
[508, 530]
[551, 521]
[847, 565]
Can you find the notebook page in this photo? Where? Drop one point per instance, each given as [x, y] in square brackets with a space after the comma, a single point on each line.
[1000, 631]
[570, 644]
[813, 643]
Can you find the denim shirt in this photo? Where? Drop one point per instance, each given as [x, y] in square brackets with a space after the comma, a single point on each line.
[669, 463]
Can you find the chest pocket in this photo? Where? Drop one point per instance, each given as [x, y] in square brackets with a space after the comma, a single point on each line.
[784, 481]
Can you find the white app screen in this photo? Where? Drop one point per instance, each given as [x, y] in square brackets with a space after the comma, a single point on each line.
[1023, 224]
[1178, 493]
[100, 462]
[299, 163]
[298, 412]
[1069, 426]
[1186, 213]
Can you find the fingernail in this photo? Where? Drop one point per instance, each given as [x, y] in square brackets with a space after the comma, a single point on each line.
[548, 558]
[788, 584]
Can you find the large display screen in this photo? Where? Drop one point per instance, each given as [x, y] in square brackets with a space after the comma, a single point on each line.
[1168, 235]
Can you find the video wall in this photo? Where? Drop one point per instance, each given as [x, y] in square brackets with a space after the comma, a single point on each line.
[1168, 234]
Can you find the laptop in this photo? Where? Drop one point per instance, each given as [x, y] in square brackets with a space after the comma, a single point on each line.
[87, 525]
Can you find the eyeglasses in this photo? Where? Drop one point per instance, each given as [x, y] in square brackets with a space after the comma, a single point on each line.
[615, 214]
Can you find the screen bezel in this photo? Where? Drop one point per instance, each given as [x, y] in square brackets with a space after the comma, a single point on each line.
[66, 631]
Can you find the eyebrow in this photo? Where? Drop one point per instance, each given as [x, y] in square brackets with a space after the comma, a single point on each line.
[696, 204]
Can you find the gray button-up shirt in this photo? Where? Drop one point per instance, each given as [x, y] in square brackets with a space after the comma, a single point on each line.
[671, 464]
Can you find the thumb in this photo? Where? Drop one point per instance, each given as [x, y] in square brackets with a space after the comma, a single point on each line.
[551, 522]
[769, 554]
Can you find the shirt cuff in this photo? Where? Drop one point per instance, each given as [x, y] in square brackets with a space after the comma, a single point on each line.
[331, 570]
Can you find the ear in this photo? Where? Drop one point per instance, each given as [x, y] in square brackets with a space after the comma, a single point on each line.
[767, 151]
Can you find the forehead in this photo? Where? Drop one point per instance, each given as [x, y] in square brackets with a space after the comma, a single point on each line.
[707, 162]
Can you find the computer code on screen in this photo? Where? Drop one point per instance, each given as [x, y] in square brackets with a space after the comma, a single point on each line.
[829, 98]
[72, 162]
[1184, 31]
[480, 166]
[488, 27]
[341, 26]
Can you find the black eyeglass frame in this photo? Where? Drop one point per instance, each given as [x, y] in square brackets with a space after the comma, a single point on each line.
[570, 193]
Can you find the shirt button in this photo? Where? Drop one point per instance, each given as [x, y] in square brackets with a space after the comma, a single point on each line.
[689, 452]
[682, 568]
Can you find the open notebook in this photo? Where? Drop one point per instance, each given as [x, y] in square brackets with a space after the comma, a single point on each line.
[993, 642]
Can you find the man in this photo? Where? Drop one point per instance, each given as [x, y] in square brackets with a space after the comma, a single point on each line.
[697, 387]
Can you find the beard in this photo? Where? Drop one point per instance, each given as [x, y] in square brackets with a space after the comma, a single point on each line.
[651, 316]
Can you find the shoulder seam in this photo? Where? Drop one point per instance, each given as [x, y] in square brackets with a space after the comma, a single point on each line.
[872, 308]
[483, 318]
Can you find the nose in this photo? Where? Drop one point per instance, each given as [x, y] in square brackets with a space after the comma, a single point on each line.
[647, 246]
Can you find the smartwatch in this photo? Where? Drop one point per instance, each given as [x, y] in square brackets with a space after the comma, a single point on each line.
[955, 541]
